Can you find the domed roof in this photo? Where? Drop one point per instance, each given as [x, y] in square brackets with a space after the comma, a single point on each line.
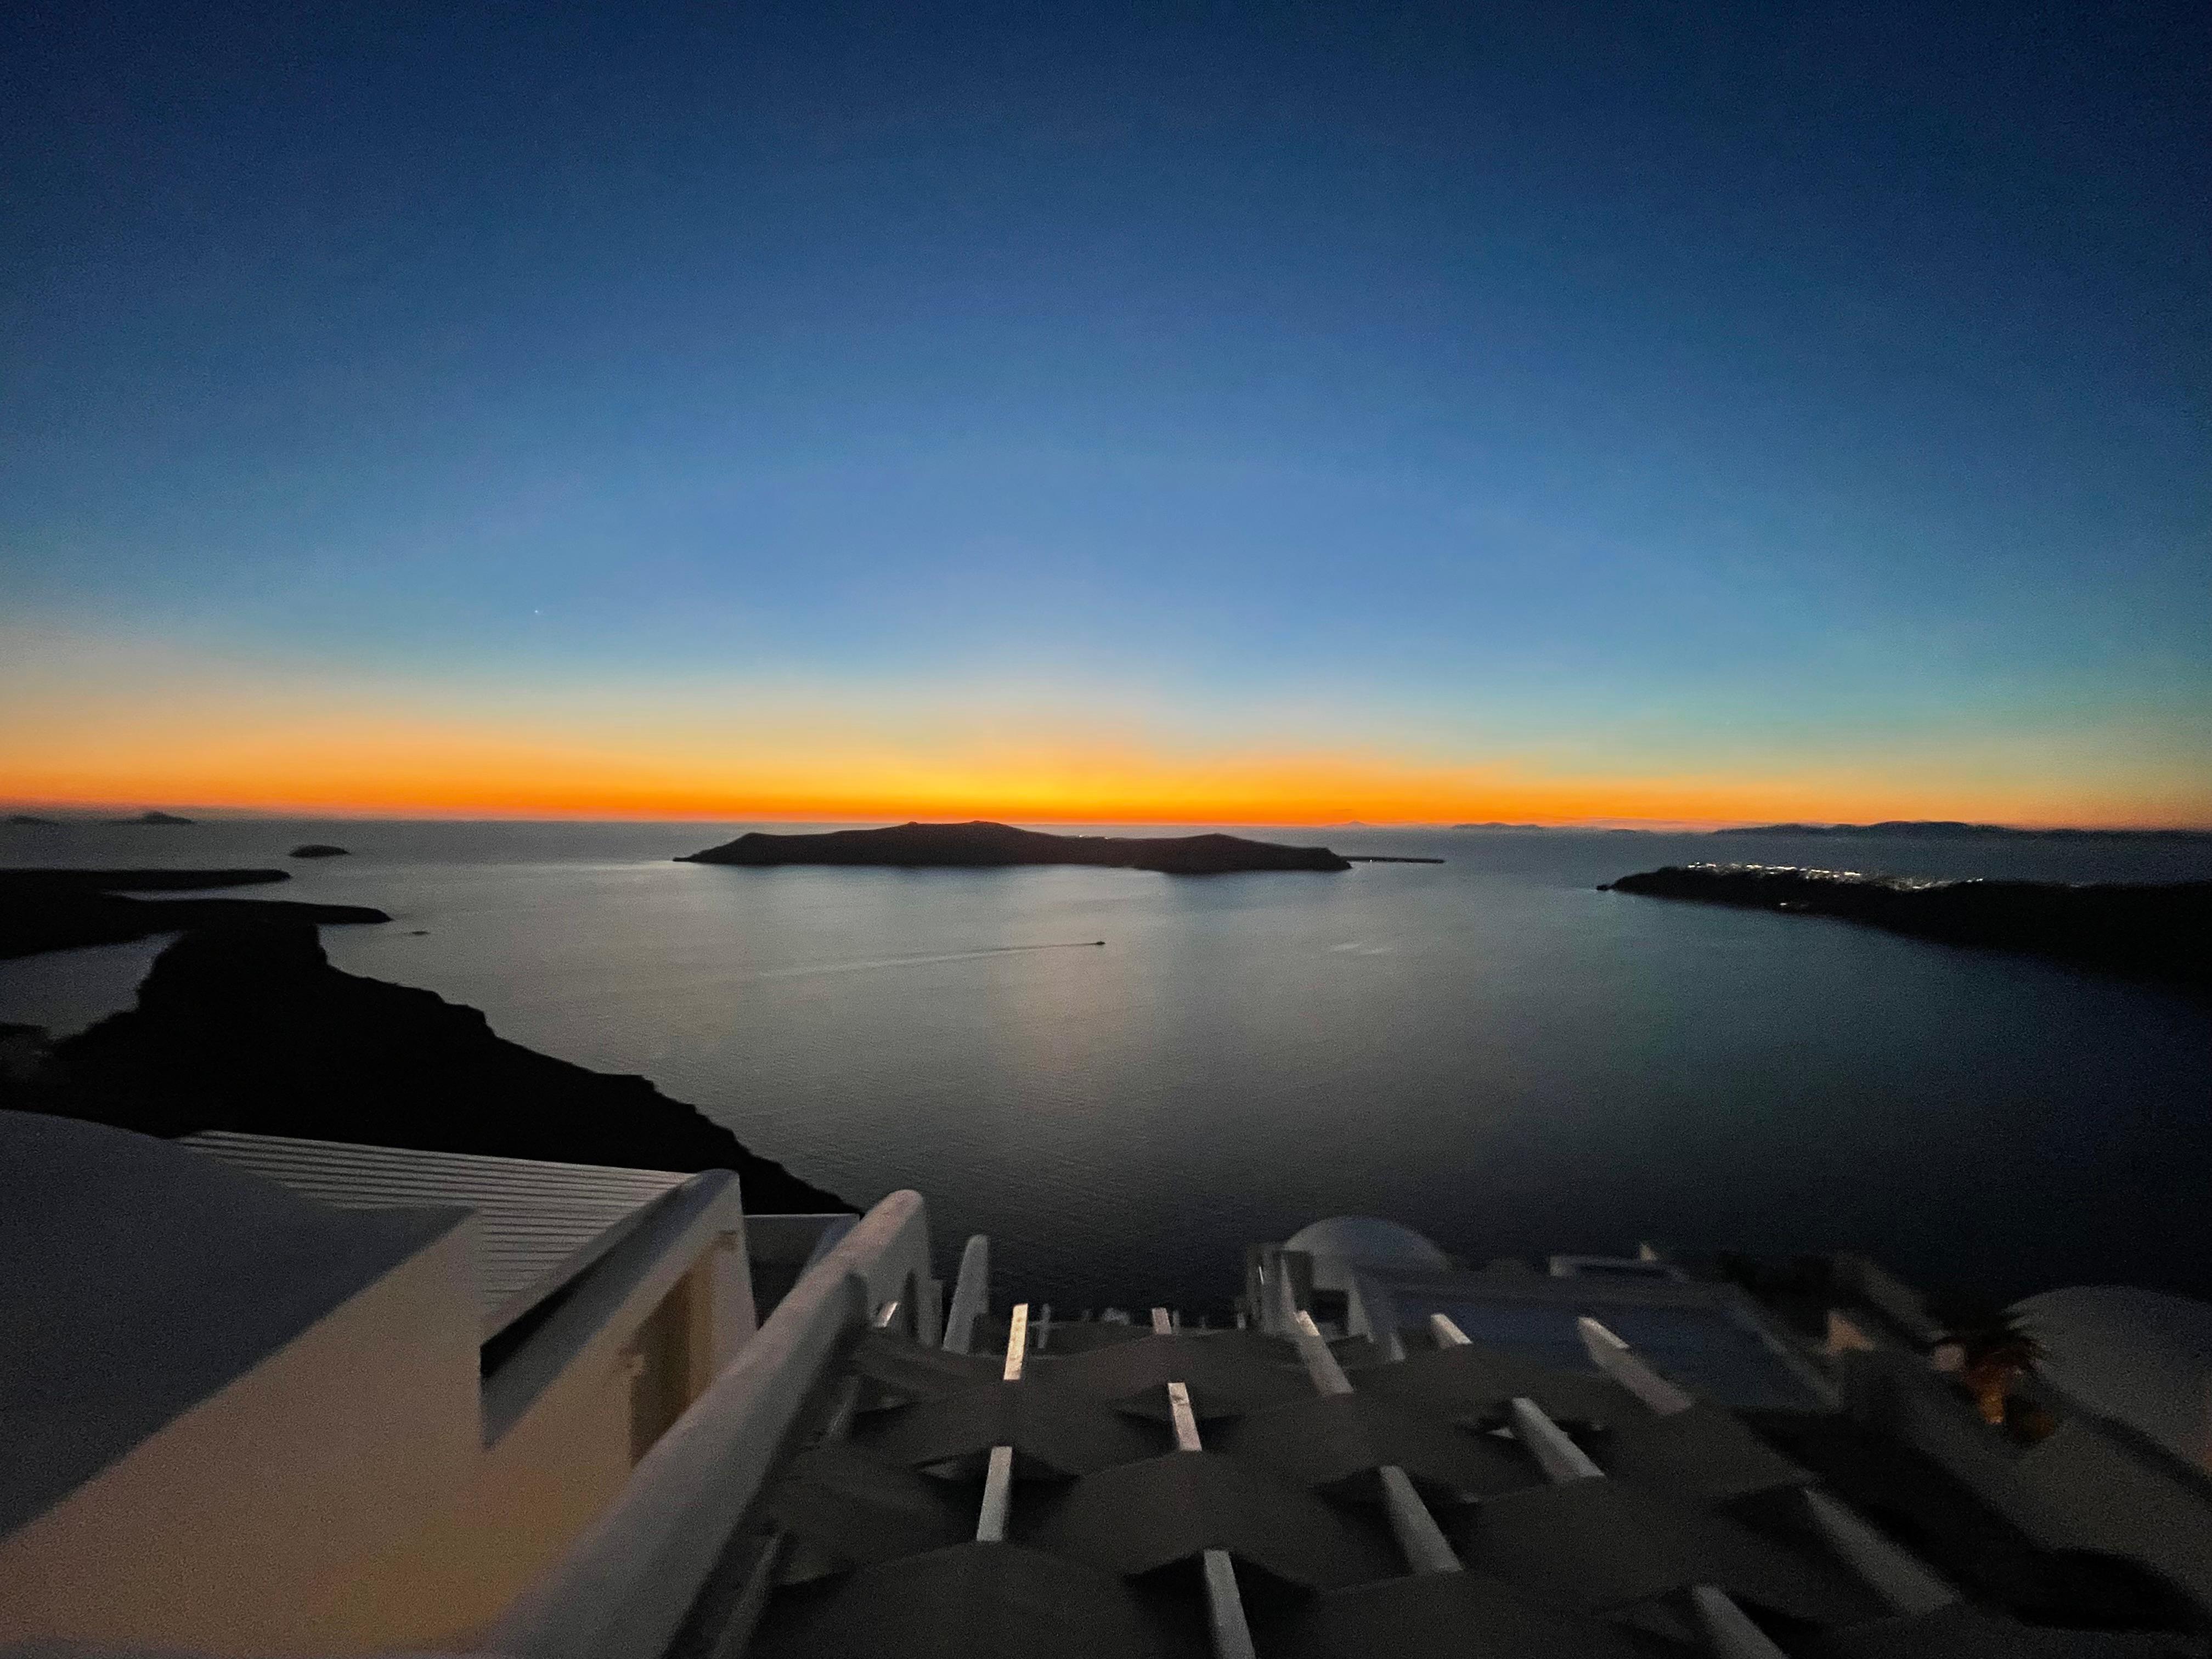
[2140, 1356]
[1344, 1242]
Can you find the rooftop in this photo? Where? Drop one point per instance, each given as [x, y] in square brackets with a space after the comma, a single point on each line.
[539, 1223]
[1388, 1453]
[142, 1280]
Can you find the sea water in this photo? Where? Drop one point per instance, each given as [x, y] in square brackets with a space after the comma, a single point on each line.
[1489, 1049]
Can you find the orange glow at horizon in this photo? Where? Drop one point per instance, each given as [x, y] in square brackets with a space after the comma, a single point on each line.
[102, 725]
[442, 775]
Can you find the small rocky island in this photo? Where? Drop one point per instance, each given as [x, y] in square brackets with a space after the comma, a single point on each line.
[318, 849]
[991, 846]
[2161, 931]
[154, 817]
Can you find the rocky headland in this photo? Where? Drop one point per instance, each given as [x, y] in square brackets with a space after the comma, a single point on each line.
[20, 883]
[2159, 931]
[250, 1028]
[990, 846]
[63, 909]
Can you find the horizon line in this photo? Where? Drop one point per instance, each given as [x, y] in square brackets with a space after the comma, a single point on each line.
[96, 814]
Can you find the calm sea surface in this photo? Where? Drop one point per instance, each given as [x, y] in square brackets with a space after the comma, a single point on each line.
[1489, 1051]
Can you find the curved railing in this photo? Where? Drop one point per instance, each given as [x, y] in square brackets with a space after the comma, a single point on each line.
[622, 1591]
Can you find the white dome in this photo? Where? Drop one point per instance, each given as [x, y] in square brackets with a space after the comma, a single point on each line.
[1344, 1242]
[2140, 1356]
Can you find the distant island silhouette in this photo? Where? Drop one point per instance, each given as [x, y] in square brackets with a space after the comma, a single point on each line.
[318, 849]
[153, 817]
[990, 846]
[2160, 929]
[1952, 830]
[65, 909]
[1490, 829]
[32, 817]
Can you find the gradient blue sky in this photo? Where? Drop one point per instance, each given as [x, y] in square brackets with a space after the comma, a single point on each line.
[1626, 410]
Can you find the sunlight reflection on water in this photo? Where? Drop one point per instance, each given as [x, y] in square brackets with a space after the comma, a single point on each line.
[1488, 1049]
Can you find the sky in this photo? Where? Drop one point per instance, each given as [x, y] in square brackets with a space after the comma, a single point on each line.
[1264, 413]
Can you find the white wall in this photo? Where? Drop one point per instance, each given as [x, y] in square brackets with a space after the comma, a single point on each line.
[567, 1455]
[216, 1532]
[340, 1497]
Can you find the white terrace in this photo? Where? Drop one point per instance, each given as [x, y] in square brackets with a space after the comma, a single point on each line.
[269, 1396]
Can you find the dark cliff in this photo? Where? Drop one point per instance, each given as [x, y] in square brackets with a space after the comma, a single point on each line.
[2159, 931]
[990, 846]
[250, 1028]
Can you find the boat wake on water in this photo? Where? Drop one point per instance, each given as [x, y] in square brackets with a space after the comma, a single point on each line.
[918, 960]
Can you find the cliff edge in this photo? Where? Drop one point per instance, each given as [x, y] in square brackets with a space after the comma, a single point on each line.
[251, 1029]
[2161, 931]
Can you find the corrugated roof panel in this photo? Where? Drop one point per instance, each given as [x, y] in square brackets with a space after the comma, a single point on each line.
[539, 1223]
